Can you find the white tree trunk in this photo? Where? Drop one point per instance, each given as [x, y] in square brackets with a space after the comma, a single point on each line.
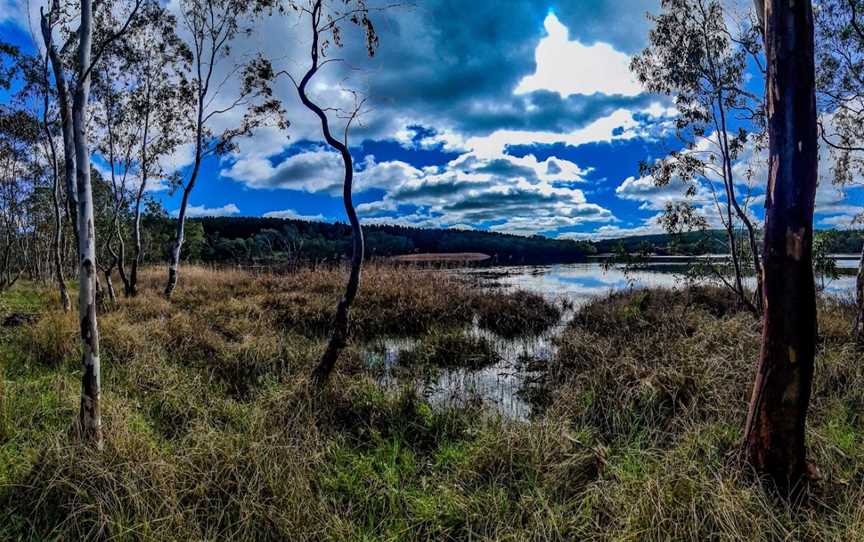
[90, 418]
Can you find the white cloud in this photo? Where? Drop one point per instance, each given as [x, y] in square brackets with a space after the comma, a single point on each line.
[651, 226]
[850, 220]
[570, 67]
[294, 215]
[200, 210]
[311, 171]
[621, 124]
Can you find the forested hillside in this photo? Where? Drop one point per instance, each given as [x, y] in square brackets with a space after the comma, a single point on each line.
[250, 238]
[268, 240]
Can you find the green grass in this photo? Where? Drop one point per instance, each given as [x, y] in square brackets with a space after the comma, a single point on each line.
[212, 432]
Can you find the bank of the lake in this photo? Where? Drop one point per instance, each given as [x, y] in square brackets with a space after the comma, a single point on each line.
[630, 402]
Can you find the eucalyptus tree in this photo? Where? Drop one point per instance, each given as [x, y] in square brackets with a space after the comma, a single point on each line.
[840, 93]
[36, 91]
[19, 135]
[156, 61]
[76, 140]
[116, 141]
[325, 23]
[774, 435]
[693, 56]
[212, 27]
[57, 196]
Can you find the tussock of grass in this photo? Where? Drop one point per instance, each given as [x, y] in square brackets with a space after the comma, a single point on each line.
[451, 349]
[52, 339]
[656, 361]
[392, 301]
[517, 314]
[213, 433]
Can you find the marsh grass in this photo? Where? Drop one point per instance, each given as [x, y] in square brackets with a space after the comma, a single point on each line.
[453, 349]
[212, 432]
[516, 314]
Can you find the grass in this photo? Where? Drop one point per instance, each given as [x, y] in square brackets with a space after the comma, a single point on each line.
[516, 314]
[451, 350]
[212, 432]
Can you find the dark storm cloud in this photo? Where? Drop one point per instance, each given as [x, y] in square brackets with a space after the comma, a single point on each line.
[455, 63]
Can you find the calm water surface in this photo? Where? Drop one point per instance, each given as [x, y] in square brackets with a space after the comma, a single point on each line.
[501, 386]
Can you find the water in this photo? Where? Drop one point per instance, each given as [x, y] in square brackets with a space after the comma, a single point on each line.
[501, 387]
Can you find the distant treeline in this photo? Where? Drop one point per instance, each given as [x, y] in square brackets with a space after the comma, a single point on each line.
[715, 242]
[256, 240]
[684, 244]
[243, 239]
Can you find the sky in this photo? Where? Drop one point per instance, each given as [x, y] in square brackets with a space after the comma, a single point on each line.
[519, 116]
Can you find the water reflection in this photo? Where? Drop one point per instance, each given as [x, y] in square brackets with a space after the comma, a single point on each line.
[579, 283]
[502, 385]
[498, 386]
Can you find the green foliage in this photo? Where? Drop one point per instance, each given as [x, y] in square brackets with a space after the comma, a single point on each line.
[212, 432]
[824, 266]
[269, 239]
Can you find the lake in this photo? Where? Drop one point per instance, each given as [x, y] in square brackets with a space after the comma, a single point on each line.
[502, 386]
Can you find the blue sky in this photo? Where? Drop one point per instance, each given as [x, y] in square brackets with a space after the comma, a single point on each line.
[521, 119]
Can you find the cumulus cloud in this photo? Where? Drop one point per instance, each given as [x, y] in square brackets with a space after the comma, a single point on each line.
[310, 171]
[650, 226]
[294, 215]
[200, 210]
[570, 67]
[510, 194]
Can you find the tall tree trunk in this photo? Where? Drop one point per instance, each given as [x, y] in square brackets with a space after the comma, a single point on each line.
[177, 247]
[58, 213]
[174, 262]
[109, 284]
[774, 432]
[90, 419]
[66, 122]
[858, 330]
[58, 240]
[121, 265]
[136, 232]
[339, 336]
[139, 196]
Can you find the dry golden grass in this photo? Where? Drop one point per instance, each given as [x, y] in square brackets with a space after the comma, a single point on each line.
[212, 432]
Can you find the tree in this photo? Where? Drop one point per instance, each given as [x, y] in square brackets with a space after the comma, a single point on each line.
[36, 86]
[824, 266]
[157, 60]
[19, 134]
[117, 142]
[56, 188]
[325, 21]
[840, 93]
[774, 433]
[90, 419]
[213, 25]
[694, 57]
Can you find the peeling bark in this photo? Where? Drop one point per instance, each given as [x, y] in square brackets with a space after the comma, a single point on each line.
[774, 436]
[90, 420]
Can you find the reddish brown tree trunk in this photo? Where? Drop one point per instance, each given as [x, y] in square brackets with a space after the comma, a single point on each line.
[774, 433]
